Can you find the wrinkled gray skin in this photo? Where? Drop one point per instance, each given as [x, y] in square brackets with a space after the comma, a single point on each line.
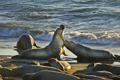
[50, 75]
[24, 43]
[85, 53]
[53, 50]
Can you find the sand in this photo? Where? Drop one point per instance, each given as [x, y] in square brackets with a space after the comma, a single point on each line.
[7, 62]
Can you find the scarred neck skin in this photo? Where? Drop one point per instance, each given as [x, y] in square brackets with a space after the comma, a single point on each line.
[58, 35]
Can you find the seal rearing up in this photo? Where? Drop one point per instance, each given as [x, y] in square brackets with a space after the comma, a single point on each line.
[53, 50]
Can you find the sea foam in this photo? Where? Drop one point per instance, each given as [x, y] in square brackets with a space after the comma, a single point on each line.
[101, 37]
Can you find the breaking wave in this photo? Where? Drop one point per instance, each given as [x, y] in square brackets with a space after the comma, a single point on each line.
[102, 37]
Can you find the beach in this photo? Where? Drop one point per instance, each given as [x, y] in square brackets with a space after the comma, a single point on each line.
[92, 23]
[11, 64]
[7, 62]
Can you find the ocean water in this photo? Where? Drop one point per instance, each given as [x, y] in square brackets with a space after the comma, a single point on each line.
[94, 23]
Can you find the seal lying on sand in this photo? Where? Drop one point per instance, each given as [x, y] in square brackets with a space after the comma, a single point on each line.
[24, 43]
[49, 75]
[87, 71]
[32, 69]
[111, 68]
[65, 66]
[5, 72]
[84, 53]
[91, 77]
[17, 72]
[51, 51]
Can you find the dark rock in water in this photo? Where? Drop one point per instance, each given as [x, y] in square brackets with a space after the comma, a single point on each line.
[49, 75]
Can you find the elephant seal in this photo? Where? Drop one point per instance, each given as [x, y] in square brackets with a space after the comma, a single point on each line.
[84, 53]
[51, 51]
[65, 66]
[105, 74]
[17, 72]
[32, 69]
[111, 68]
[49, 75]
[91, 77]
[5, 72]
[24, 43]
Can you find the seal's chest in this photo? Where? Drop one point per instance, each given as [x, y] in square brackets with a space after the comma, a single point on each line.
[59, 41]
